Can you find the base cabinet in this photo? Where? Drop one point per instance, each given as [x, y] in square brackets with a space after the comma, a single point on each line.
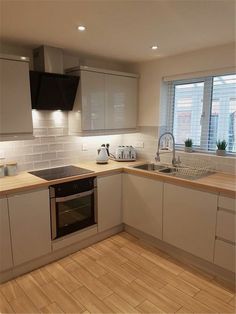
[109, 191]
[30, 225]
[5, 237]
[189, 220]
[142, 204]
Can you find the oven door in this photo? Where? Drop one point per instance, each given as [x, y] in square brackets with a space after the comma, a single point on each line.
[72, 213]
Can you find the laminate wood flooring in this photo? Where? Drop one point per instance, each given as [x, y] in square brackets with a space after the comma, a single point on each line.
[118, 275]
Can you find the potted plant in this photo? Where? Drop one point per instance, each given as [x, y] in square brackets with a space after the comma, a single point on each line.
[221, 148]
[188, 145]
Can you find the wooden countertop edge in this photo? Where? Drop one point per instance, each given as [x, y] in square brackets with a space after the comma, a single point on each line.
[126, 169]
[182, 182]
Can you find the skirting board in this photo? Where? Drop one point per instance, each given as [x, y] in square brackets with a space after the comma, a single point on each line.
[55, 255]
[183, 256]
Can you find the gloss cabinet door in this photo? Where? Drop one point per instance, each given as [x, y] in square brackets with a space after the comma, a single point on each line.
[30, 225]
[5, 237]
[121, 102]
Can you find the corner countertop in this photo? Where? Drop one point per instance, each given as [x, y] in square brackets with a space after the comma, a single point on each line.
[218, 182]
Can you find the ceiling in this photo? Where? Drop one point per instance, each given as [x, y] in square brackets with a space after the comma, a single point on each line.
[120, 29]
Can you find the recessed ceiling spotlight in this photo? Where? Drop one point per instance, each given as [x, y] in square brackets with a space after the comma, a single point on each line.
[154, 47]
[81, 28]
[23, 58]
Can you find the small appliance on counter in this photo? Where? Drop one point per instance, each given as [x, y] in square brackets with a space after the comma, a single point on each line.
[125, 153]
[103, 154]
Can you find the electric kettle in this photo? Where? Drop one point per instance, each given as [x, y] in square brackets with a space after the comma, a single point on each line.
[102, 157]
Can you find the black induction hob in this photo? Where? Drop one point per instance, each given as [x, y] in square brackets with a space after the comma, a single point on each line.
[60, 172]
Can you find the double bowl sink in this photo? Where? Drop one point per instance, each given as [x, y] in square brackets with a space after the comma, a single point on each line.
[181, 172]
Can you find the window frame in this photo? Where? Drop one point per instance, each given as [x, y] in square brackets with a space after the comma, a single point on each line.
[206, 109]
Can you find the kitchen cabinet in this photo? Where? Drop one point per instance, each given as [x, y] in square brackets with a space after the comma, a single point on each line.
[142, 204]
[5, 237]
[121, 102]
[30, 225]
[109, 192]
[189, 220]
[225, 244]
[15, 100]
[225, 255]
[105, 100]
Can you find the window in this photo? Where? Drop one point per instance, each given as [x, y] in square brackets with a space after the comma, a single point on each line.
[204, 110]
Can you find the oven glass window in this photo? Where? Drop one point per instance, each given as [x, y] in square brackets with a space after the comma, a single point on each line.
[75, 214]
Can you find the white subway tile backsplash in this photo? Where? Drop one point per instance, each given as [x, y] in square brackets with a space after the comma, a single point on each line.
[48, 139]
[49, 156]
[41, 164]
[55, 147]
[40, 148]
[55, 131]
[35, 157]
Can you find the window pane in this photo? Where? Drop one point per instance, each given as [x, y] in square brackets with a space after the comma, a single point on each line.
[223, 112]
[188, 102]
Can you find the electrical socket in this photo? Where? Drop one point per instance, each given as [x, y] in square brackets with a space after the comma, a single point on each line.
[84, 147]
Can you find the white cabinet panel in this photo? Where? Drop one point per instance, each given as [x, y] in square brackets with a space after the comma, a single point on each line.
[30, 225]
[227, 203]
[225, 228]
[93, 100]
[189, 220]
[225, 255]
[121, 102]
[15, 100]
[142, 204]
[105, 100]
[109, 191]
[5, 237]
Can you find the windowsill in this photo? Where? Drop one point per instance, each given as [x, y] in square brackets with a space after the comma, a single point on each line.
[208, 153]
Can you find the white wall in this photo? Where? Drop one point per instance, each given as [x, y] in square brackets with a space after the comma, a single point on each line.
[152, 72]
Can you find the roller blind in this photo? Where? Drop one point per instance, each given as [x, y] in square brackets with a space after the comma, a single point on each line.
[203, 109]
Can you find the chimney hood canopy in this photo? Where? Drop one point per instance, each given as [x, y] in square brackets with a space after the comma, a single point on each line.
[50, 88]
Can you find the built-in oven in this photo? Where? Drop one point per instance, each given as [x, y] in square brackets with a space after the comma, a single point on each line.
[73, 206]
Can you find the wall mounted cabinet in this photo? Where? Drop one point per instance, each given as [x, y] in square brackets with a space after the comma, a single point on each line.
[105, 100]
[15, 100]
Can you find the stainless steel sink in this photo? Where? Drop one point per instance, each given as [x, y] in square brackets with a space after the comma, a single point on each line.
[180, 172]
[149, 167]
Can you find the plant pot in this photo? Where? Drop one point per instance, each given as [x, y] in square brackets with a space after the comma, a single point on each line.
[188, 149]
[220, 152]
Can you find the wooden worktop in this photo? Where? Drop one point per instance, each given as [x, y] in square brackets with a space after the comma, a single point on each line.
[216, 183]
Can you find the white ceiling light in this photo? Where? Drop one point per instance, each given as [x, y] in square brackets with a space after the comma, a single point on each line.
[154, 47]
[81, 28]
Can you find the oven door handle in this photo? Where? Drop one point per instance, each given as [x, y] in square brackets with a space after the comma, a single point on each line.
[74, 196]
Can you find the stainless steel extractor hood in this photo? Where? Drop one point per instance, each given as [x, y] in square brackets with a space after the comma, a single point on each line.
[48, 59]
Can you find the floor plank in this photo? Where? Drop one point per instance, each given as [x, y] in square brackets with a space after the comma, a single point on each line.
[64, 299]
[5, 307]
[90, 301]
[11, 290]
[122, 289]
[204, 284]
[149, 308]
[119, 305]
[34, 292]
[52, 308]
[214, 302]
[89, 264]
